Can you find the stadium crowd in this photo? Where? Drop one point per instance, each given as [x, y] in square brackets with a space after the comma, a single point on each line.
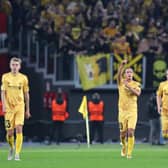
[92, 26]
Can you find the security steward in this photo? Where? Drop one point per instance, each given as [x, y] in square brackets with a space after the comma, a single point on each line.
[96, 117]
[59, 115]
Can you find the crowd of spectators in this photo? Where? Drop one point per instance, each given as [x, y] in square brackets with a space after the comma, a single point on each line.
[91, 26]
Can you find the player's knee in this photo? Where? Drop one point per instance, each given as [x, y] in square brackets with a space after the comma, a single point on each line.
[130, 132]
[18, 129]
[10, 133]
[123, 134]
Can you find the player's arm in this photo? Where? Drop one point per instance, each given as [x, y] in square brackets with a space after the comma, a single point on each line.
[27, 102]
[120, 71]
[3, 100]
[159, 103]
[26, 98]
[159, 98]
[3, 93]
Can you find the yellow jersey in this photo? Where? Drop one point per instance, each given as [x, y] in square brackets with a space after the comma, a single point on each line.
[14, 85]
[163, 92]
[128, 100]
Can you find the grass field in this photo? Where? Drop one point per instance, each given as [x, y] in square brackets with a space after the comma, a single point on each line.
[97, 156]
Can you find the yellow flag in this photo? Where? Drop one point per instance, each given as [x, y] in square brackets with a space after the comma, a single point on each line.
[93, 70]
[83, 107]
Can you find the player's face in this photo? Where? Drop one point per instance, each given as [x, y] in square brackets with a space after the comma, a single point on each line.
[129, 74]
[15, 66]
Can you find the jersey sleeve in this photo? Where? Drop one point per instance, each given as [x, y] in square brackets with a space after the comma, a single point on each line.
[4, 85]
[160, 90]
[138, 87]
[26, 85]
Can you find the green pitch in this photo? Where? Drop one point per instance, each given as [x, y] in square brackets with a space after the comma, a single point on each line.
[97, 156]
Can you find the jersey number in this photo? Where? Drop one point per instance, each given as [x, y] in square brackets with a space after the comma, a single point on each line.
[7, 124]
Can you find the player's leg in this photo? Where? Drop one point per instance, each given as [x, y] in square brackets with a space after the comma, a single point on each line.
[19, 141]
[132, 120]
[19, 121]
[10, 140]
[166, 125]
[123, 134]
[9, 126]
[123, 137]
[131, 141]
[164, 120]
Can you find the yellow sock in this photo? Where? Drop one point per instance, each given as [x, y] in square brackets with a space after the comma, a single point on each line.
[123, 140]
[10, 141]
[19, 140]
[130, 145]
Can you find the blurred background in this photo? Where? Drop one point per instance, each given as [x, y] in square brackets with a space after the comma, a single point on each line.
[48, 35]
